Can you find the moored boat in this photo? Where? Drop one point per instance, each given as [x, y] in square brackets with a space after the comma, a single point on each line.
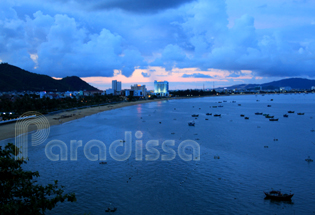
[191, 123]
[277, 195]
[257, 113]
[309, 159]
[272, 119]
[300, 113]
[290, 111]
[269, 117]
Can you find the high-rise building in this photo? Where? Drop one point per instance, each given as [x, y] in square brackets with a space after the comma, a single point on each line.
[116, 87]
[141, 88]
[161, 88]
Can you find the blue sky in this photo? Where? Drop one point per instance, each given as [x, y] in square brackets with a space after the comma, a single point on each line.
[190, 43]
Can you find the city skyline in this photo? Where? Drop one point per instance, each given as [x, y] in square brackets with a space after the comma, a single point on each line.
[189, 43]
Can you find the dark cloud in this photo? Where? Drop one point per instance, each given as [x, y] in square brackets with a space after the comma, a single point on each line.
[235, 74]
[146, 75]
[196, 75]
[138, 6]
[61, 39]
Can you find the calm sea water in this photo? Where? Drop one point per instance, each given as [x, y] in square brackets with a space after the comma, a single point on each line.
[233, 184]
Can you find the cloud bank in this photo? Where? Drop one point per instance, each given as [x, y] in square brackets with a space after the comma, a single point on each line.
[95, 38]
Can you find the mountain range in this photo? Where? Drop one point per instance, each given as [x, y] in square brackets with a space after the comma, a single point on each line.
[294, 83]
[15, 78]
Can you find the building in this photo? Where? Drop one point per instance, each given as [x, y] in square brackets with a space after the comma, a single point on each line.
[91, 92]
[139, 87]
[116, 86]
[42, 94]
[284, 89]
[161, 88]
[109, 92]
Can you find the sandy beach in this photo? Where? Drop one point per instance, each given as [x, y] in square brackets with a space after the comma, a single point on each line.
[8, 130]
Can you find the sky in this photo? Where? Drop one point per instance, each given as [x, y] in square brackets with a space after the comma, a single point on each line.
[190, 43]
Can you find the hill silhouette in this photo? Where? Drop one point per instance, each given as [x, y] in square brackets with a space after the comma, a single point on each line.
[294, 83]
[15, 78]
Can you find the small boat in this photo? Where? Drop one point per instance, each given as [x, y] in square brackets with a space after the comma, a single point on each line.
[271, 119]
[285, 115]
[277, 195]
[246, 118]
[191, 123]
[239, 104]
[300, 113]
[195, 115]
[290, 111]
[268, 105]
[271, 99]
[233, 101]
[206, 119]
[258, 113]
[309, 159]
[208, 114]
[214, 106]
[217, 115]
[103, 162]
[242, 115]
[220, 106]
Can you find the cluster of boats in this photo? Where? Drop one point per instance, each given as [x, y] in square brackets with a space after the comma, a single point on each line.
[271, 118]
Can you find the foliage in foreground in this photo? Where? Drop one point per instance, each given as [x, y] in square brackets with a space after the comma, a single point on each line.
[19, 193]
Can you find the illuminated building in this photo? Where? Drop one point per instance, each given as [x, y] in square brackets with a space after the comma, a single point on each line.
[161, 88]
[139, 87]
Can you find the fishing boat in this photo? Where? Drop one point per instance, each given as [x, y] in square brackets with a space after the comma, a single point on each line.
[191, 123]
[103, 162]
[271, 119]
[277, 195]
[309, 159]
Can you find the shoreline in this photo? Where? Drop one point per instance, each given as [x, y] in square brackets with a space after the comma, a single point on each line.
[7, 131]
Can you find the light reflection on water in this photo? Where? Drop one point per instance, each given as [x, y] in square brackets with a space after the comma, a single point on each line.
[233, 184]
